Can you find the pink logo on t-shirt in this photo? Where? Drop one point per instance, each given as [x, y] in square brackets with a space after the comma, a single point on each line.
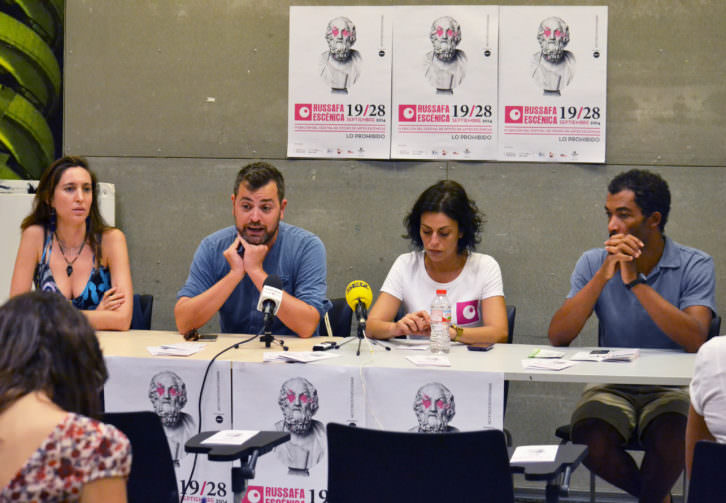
[467, 312]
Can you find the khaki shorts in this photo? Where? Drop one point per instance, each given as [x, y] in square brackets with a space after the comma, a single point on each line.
[630, 408]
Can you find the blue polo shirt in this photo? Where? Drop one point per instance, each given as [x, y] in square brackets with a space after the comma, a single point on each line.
[297, 257]
[683, 276]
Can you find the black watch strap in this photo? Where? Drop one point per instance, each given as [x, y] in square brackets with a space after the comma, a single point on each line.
[640, 280]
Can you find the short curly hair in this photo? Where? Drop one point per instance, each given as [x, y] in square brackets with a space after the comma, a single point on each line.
[259, 174]
[448, 197]
[651, 192]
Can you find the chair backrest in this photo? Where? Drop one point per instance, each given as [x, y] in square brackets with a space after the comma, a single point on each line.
[511, 315]
[715, 327]
[707, 481]
[143, 305]
[367, 465]
[340, 317]
[152, 477]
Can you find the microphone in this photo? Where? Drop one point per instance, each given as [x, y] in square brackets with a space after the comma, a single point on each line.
[359, 296]
[270, 299]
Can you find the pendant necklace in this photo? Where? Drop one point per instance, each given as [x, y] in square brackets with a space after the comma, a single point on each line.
[69, 263]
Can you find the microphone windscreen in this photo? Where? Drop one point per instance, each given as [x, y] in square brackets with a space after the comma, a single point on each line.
[358, 291]
[274, 281]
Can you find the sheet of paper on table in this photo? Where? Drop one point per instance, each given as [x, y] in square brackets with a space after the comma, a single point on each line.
[299, 356]
[534, 453]
[231, 437]
[546, 364]
[429, 360]
[177, 349]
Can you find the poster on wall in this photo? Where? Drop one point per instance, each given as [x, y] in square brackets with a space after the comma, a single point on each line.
[445, 82]
[339, 85]
[299, 399]
[433, 402]
[170, 387]
[553, 83]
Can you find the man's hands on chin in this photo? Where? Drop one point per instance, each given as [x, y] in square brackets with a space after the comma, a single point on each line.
[236, 263]
[251, 263]
[623, 250]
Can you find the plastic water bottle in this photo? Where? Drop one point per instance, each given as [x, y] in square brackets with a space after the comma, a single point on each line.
[440, 321]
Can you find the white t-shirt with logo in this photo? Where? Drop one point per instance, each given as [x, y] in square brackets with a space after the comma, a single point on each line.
[480, 279]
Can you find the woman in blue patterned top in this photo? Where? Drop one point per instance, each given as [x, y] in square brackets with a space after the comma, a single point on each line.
[67, 247]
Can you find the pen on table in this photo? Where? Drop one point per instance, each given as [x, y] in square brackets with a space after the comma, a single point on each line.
[375, 341]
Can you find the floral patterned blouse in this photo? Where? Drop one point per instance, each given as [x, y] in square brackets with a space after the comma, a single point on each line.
[79, 450]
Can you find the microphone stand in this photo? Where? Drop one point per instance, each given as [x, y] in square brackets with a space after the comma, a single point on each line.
[267, 336]
[361, 334]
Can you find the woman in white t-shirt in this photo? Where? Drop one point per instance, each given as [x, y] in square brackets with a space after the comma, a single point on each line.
[444, 227]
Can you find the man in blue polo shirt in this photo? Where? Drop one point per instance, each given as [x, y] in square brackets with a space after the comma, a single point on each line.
[648, 292]
[225, 281]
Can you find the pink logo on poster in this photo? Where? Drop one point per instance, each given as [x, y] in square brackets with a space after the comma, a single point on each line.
[513, 114]
[254, 494]
[467, 312]
[407, 113]
[303, 111]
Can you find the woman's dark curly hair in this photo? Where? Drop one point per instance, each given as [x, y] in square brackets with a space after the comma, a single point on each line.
[48, 345]
[448, 197]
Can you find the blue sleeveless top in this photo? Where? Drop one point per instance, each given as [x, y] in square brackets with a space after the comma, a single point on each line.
[98, 282]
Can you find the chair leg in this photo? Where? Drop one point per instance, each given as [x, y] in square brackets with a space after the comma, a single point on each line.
[592, 486]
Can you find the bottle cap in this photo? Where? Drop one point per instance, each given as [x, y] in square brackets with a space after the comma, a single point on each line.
[440, 292]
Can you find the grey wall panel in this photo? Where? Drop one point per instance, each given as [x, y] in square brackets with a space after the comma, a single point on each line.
[140, 77]
[176, 78]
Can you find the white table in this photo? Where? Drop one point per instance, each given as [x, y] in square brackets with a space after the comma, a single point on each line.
[653, 366]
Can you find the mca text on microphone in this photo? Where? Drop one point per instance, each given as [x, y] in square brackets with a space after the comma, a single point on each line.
[357, 284]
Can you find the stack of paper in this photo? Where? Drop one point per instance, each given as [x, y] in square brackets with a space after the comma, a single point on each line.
[546, 353]
[608, 355]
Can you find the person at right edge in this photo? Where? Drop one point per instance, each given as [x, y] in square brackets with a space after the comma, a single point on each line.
[648, 292]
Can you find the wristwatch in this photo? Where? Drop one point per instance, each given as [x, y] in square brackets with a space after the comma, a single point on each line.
[459, 332]
[640, 280]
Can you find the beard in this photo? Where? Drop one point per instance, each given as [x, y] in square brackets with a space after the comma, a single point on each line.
[431, 423]
[297, 421]
[168, 413]
[339, 50]
[444, 50]
[552, 51]
[260, 239]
